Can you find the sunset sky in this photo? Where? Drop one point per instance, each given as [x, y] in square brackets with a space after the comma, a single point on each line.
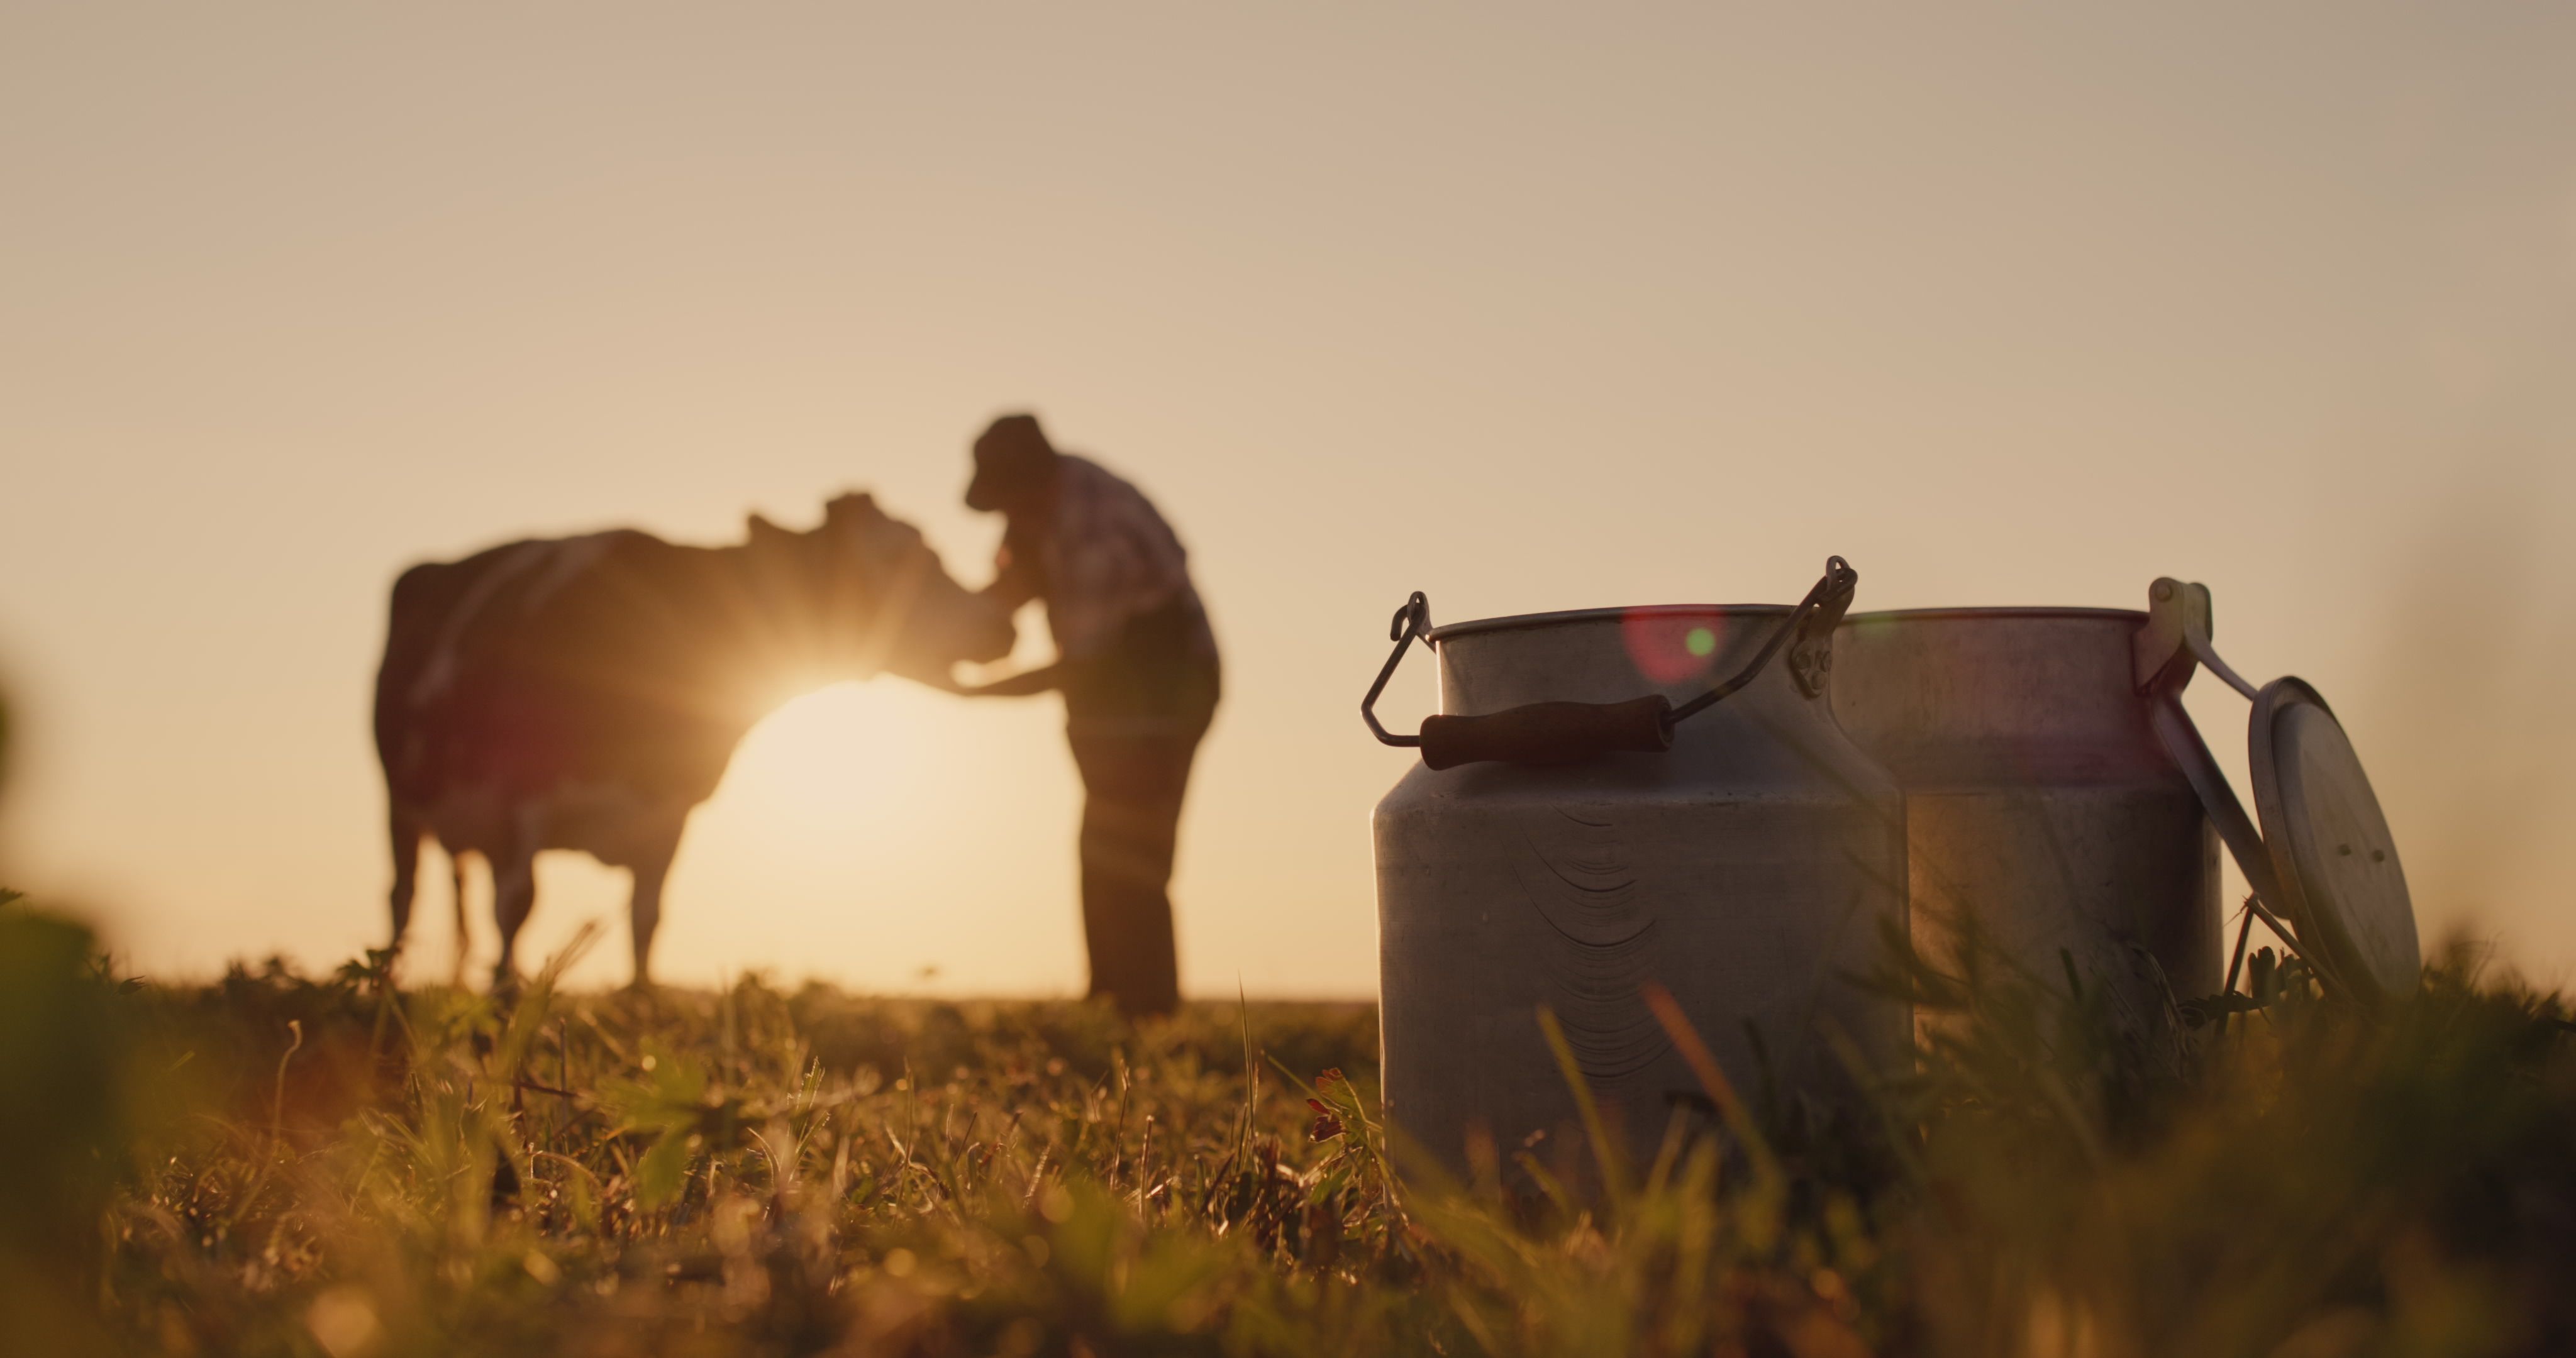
[1528, 307]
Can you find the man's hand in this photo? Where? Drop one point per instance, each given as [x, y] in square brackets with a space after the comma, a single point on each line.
[1026, 683]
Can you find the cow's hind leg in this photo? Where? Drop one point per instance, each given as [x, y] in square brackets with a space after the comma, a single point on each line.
[644, 910]
[464, 936]
[406, 844]
[514, 896]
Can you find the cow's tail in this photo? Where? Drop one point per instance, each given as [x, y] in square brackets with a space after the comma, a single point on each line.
[416, 619]
[411, 635]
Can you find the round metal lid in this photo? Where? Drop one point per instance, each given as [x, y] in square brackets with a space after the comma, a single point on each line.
[2329, 844]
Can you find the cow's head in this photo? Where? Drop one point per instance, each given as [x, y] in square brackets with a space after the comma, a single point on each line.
[868, 594]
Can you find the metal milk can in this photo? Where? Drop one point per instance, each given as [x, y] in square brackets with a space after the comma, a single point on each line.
[2038, 801]
[1590, 819]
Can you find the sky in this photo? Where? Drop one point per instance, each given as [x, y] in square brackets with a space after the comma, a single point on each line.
[1528, 307]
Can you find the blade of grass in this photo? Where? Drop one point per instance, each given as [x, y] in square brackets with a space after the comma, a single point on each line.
[1612, 1158]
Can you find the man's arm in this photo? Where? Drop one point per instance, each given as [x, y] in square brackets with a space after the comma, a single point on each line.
[1015, 577]
[1015, 582]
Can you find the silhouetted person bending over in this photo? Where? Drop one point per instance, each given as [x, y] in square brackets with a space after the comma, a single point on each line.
[1137, 665]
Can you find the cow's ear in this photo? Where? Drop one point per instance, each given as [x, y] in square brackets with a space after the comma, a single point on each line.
[763, 531]
[857, 504]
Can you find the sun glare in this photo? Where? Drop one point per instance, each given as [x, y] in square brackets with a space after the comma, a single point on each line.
[882, 835]
[838, 751]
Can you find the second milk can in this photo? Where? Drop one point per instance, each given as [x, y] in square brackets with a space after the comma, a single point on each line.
[1747, 858]
[2038, 801]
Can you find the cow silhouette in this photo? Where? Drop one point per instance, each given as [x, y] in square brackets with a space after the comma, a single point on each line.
[586, 693]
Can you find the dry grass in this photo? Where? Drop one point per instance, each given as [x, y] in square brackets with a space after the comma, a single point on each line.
[277, 1164]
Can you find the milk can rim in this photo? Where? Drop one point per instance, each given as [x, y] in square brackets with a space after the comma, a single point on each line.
[1520, 620]
[2128, 615]
[1574, 615]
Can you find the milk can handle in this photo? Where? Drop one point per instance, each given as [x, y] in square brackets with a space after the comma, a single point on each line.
[1411, 621]
[1566, 732]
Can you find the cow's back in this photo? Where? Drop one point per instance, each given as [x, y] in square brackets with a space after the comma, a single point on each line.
[538, 665]
[466, 680]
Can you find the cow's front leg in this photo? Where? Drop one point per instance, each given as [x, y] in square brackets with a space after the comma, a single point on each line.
[406, 839]
[644, 909]
[514, 896]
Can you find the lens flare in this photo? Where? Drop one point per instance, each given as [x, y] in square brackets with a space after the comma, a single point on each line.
[1669, 648]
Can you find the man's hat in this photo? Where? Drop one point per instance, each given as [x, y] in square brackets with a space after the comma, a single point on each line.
[1011, 453]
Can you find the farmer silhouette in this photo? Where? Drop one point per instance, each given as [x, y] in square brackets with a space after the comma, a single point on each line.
[1137, 666]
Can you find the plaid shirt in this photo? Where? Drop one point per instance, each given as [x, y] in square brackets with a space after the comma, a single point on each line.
[1107, 558]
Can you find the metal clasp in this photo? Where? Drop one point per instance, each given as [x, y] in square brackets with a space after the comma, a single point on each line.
[1811, 656]
[2180, 622]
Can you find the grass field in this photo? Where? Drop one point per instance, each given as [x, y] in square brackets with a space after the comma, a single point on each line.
[277, 1164]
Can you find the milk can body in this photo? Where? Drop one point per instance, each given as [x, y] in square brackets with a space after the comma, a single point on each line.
[2038, 801]
[1750, 870]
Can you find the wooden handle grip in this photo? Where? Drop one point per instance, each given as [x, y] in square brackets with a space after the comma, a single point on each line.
[1549, 733]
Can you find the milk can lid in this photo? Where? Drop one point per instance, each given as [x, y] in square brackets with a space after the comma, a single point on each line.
[2329, 844]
